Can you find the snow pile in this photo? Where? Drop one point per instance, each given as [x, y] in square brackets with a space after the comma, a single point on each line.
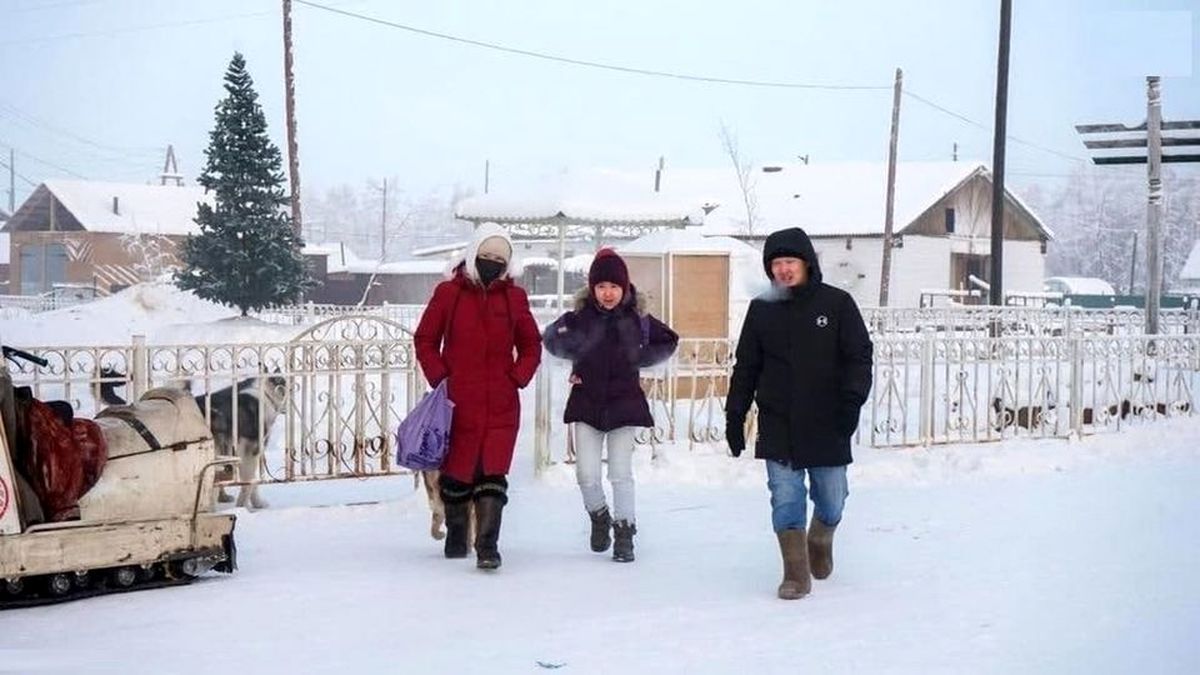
[138, 310]
[160, 311]
[235, 329]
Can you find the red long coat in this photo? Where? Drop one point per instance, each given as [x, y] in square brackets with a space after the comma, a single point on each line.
[477, 354]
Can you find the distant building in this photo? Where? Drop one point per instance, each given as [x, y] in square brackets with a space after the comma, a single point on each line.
[942, 219]
[104, 235]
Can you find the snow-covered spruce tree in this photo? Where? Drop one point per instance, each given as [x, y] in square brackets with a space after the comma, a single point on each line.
[247, 255]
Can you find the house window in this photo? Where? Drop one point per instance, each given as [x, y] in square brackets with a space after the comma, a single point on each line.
[42, 266]
[949, 221]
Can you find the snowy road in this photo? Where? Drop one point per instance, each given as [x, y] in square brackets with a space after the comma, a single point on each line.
[1047, 557]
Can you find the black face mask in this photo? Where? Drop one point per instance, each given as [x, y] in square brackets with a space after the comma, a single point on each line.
[489, 270]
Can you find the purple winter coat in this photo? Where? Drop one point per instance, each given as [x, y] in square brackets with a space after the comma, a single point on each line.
[607, 349]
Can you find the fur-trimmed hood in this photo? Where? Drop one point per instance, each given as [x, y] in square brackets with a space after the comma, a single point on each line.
[484, 231]
[584, 295]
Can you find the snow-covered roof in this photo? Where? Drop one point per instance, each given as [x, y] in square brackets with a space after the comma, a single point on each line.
[689, 240]
[1191, 268]
[1084, 285]
[450, 249]
[540, 261]
[341, 260]
[141, 209]
[578, 264]
[588, 196]
[413, 267]
[826, 199]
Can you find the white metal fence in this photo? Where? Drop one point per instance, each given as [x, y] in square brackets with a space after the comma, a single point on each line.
[343, 385]
[20, 306]
[1017, 321]
[346, 383]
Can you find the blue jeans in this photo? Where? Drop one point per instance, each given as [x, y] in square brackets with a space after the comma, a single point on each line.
[789, 508]
[589, 447]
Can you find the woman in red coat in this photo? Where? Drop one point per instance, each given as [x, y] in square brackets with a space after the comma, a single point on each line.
[478, 331]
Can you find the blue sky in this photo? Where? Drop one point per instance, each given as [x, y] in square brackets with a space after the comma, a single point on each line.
[98, 87]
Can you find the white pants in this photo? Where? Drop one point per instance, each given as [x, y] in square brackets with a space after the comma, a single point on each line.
[589, 448]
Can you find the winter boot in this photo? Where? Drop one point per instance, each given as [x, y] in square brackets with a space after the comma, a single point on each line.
[820, 548]
[601, 524]
[458, 526]
[623, 532]
[456, 497]
[490, 497]
[796, 580]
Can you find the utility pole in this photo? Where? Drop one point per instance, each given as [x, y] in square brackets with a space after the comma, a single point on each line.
[885, 276]
[1154, 142]
[998, 149]
[1133, 262]
[12, 181]
[1154, 202]
[487, 175]
[290, 106]
[383, 226]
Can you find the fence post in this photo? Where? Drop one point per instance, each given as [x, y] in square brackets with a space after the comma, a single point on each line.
[541, 422]
[139, 371]
[928, 350]
[1076, 401]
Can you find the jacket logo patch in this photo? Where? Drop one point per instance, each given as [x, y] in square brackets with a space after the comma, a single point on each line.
[822, 321]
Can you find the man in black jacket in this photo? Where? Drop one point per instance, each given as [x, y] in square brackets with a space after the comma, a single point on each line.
[805, 357]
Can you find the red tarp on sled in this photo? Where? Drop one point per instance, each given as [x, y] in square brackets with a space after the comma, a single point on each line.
[62, 460]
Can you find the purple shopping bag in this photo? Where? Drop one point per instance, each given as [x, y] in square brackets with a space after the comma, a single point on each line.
[423, 438]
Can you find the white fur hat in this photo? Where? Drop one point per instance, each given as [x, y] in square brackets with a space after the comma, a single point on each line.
[488, 237]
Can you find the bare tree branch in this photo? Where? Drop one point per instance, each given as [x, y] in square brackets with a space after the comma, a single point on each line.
[744, 173]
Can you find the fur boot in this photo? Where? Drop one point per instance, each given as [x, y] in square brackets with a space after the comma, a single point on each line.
[601, 526]
[623, 532]
[820, 548]
[796, 579]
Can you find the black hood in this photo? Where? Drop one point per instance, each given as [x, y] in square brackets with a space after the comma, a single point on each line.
[792, 241]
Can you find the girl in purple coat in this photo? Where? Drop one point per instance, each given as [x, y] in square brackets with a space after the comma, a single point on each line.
[608, 338]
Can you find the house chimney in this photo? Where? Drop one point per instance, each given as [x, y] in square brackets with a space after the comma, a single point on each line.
[116, 207]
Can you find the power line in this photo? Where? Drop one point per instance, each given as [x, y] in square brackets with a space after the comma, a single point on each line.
[56, 5]
[18, 174]
[133, 29]
[130, 29]
[590, 64]
[669, 74]
[987, 128]
[50, 164]
[13, 111]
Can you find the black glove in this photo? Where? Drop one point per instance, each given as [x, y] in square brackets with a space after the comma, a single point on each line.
[735, 435]
[847, 417]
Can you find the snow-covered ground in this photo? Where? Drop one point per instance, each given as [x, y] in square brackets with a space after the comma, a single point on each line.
[1023, 556]
[158, 311]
